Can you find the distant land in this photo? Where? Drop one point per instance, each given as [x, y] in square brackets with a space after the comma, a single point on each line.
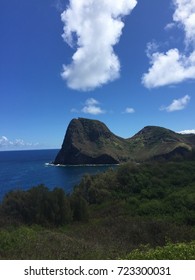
[91, 142]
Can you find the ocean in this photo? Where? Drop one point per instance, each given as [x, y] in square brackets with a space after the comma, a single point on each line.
[26, 169]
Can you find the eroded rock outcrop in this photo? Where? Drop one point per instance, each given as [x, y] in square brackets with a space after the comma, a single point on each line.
[90, 142]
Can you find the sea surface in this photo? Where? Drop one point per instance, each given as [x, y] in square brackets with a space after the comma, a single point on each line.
[26, 169]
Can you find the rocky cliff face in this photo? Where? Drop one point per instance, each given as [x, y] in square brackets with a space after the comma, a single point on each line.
[91, 142]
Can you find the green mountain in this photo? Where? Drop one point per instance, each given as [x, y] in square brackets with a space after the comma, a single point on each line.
[155, 142]
[91, 142]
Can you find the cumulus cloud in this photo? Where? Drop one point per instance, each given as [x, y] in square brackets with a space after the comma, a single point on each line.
[5, 143]
[187, 131]
[177, 104]
[93, 27]
[174, 66]
[184, 16]
[171, 67]
[169, 26]
[92, 107]
[129, 110]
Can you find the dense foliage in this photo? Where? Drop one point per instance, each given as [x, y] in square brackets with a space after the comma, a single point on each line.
[41, 206]
[161, 190]
[178, 251]
[108, 215]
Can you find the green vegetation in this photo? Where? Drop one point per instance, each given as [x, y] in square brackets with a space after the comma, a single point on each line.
[91, 142]
[178, 251]
[43, 207]
[135, 211]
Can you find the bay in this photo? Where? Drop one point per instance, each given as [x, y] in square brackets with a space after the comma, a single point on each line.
[26, 169]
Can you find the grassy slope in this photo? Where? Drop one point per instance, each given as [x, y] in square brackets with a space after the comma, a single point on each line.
[152, 141]
[132, 206]
[99, 239]
[91, 139]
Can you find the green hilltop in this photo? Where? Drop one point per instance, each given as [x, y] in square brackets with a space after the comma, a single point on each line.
[91, 142]
[131, 211]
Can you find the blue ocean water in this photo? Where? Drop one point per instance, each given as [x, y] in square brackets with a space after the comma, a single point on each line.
[25, 169]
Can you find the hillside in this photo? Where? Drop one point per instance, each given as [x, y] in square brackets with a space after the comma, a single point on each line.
[91, 142]
[153, 142]
[132, 211]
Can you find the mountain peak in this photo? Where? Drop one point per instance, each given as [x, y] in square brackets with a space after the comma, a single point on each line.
[90, 141]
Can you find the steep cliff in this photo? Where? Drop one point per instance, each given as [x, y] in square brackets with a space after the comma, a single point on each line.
[91, 142]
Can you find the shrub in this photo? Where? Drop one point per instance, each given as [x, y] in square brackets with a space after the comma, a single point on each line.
[178, 251]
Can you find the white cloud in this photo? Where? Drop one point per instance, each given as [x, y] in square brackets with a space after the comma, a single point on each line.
[5, 144]
[167, 68]
[177, 104]
[169, 26]
[174, 66]
[151, 48]
[185, 16]
[93, 110]
[129, 110]
[4, 141]
[92, 107]
[94, 27]
[91, 102]
[187, 131]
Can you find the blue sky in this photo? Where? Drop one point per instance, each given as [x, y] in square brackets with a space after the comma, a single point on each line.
[127, 63]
